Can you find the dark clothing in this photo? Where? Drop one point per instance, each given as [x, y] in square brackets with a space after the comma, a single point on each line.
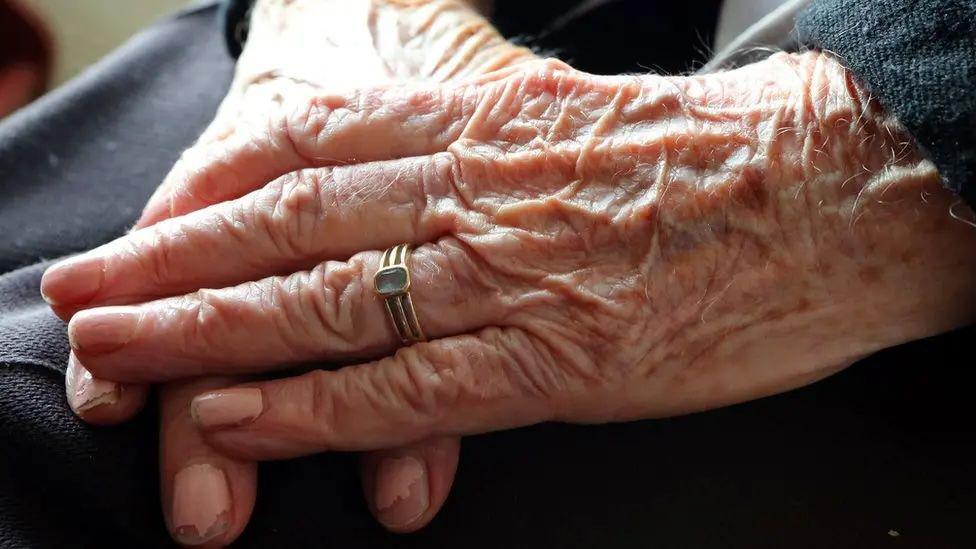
[75, 169]
[886, 445]
[919, 58]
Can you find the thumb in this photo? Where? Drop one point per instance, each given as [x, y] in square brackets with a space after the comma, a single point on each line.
[406, 487]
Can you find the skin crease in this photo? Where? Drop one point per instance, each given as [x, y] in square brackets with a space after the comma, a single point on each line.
[619, 247]
[288, 50]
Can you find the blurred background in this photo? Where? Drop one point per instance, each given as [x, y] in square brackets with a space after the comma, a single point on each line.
[43, 43]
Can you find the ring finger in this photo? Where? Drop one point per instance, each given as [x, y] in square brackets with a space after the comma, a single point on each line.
[330, 313]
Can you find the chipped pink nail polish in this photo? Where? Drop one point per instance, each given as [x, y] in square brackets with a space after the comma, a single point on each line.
[402, 491]
[86, 392]
[227, 408]
[201, 504]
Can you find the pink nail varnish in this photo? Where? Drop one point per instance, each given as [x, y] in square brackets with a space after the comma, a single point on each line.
[227, 408]
[86, 392]
[74, 281]
[402, 491]
[201, 504]
[103, 330]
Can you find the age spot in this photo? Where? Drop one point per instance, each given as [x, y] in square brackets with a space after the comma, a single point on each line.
[870, 275]
[750, 189]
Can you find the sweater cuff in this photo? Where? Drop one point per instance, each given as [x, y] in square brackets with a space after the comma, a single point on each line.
[917, 57]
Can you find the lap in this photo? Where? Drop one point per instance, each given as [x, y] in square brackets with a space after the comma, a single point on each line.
[885, 445]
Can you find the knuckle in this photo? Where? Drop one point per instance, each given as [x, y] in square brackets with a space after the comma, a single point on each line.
[552, 64]
[306, 313]
[236, 223]
[210, 319]
[291, 210]
[529, 367]
[332, 304]
[462, 265]
[446, 377]
[424, 198]
[155, 256]
[434, 201]
[283, 304]
[302, 194]
[200, 176]
[445, 178]
[301, 128]
[313, 120]
[546, 74]
[343, 404]
[436, 380]
[322, 412]
[263, 215]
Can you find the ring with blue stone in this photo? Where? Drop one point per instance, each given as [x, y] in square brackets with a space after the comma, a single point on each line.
[392, 283]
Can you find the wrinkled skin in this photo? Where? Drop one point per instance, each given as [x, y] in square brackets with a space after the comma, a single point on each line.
[305, 47]
[588, 248]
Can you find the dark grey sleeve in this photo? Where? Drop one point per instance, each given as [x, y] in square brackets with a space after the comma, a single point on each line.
[918, 57]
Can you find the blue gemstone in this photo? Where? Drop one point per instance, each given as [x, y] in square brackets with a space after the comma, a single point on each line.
[391, 280]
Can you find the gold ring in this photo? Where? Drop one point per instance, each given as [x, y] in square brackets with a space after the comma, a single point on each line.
[392, 283]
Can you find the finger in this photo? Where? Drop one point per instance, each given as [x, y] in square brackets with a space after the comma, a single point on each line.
[291, 225]
[100, 401]
[233, 133]
[324, 130]
[407, 486]
[468, 384]
[207, 497]
[330, 313]
[357, 127]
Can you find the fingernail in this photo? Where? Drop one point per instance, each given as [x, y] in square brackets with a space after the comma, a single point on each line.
[402, 494]
[102, 330]
[74, 281]
[227, 408]
[86, 392]
[201, 504]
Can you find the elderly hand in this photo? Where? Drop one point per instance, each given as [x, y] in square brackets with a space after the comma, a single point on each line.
[304, 46]
[588, 248]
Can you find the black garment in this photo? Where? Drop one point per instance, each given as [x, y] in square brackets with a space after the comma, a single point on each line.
[75, 169]
[919, 59]
[886, 445]
[614, 36]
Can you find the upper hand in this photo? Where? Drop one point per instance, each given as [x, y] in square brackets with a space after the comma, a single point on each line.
[588, 249]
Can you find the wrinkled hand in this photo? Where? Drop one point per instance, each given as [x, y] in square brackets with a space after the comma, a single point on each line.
[304, 47]
[588, 249]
